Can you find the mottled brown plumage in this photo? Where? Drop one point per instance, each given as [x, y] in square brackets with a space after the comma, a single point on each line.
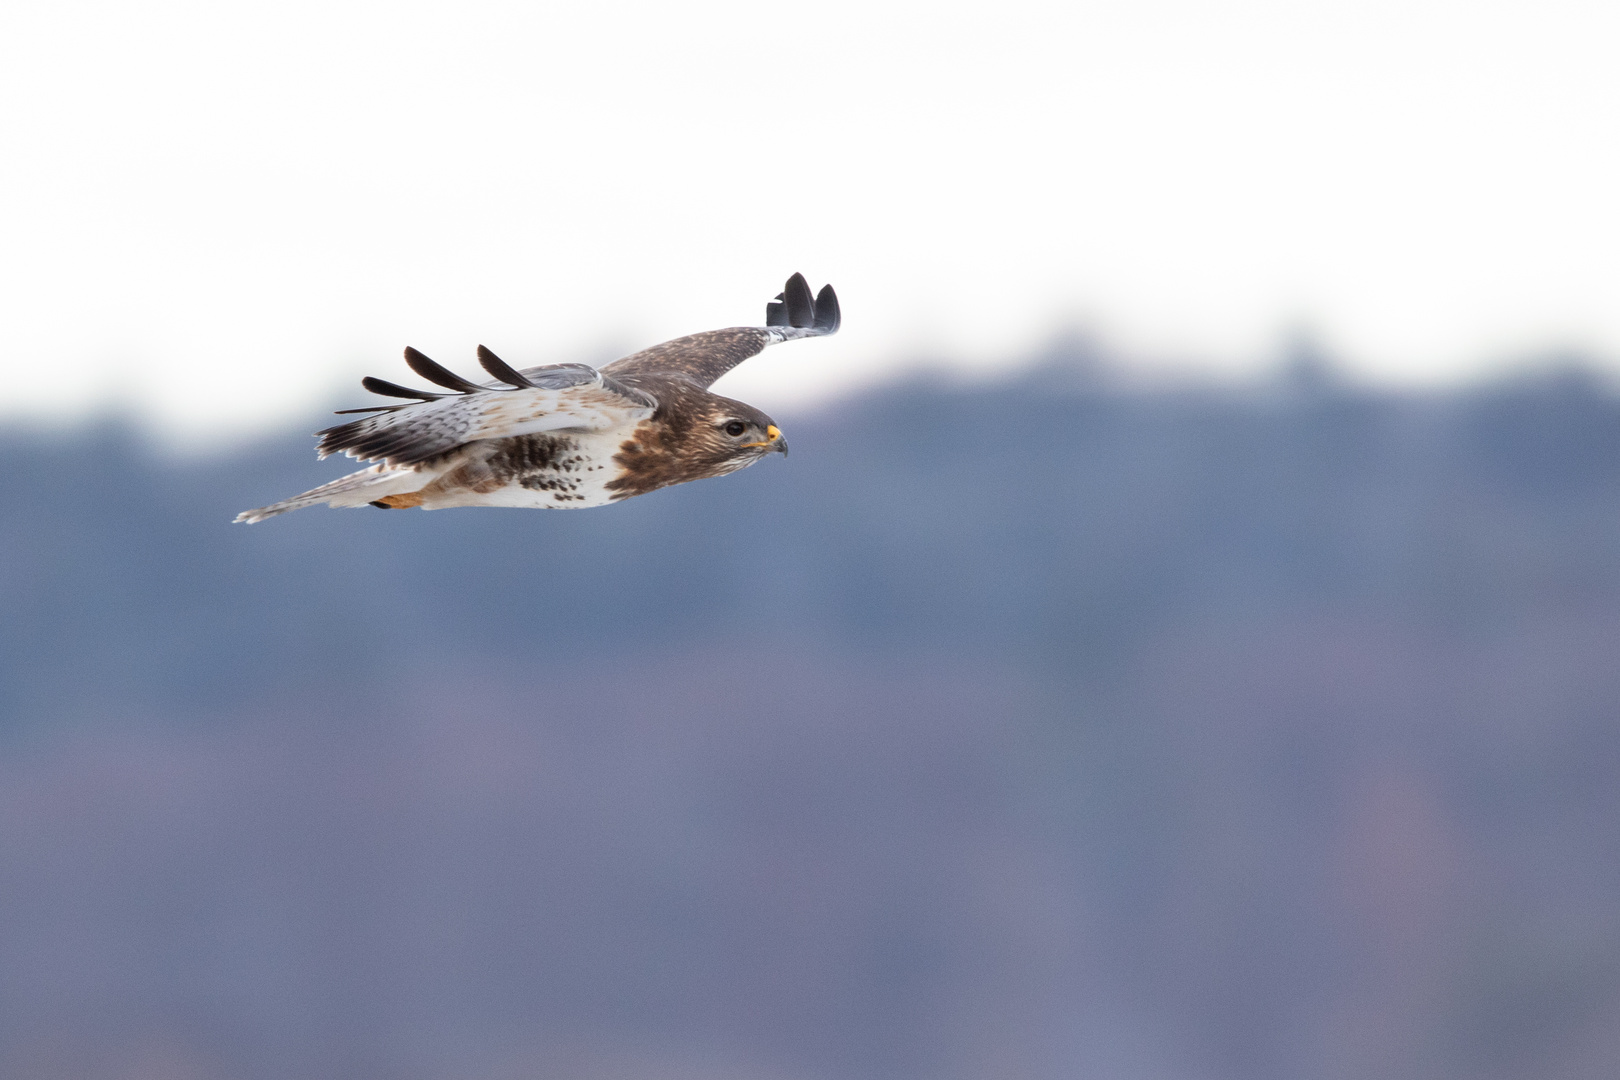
[685, 438]
[701, 358]
[565, 435]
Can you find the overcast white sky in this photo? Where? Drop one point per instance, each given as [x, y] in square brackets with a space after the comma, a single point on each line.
[224, 214]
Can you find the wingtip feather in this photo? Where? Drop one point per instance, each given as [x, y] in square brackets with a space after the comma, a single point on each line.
[797, 313]
[435, 372]
[801, 307]
[827, 316]
[776, 312]
[384, 388]
[502, 371]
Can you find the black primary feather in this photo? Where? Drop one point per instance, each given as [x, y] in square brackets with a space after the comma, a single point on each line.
[776, 312]
[801, 308]
[388, 389]
[434, 372]
[827, 316]
[503, 371]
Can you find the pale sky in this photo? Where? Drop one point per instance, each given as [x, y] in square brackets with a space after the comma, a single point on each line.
[222, 215]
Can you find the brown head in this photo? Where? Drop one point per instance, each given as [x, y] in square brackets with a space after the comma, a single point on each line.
[693, 435]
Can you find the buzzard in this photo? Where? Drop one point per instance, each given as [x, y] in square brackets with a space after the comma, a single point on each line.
[564, 435]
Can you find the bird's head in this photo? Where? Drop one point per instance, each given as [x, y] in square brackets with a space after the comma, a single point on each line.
[694, 435]
[732, 435]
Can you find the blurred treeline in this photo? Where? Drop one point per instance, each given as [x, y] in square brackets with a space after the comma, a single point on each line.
[1042, 729]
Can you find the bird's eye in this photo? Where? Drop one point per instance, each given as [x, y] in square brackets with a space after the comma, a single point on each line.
[735, 428]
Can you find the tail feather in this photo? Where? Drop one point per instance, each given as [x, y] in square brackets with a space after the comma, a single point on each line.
[356, 489]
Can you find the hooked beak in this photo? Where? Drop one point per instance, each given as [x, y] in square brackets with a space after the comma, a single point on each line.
[773, 439]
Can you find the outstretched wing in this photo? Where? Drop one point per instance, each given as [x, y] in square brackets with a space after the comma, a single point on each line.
[705, 357]
[556, 397]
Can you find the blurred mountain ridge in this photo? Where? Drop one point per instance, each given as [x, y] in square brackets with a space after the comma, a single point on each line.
[1042, 517]
[1049, 727]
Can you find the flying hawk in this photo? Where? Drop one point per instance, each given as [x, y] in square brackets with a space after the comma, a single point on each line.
[564, 435]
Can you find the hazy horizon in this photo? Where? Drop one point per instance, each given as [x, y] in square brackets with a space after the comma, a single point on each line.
[1072, 352]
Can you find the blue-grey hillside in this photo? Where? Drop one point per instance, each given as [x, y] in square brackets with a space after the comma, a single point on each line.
[1041, 729]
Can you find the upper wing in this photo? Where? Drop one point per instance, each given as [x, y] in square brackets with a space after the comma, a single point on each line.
[550, 398]
[705, 357]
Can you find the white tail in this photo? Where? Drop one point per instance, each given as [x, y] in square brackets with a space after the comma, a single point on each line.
[356, 489]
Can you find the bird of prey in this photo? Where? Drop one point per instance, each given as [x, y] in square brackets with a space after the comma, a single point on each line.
[564, 435]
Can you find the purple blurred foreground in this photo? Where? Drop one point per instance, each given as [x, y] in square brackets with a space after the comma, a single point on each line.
[1173, 736]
